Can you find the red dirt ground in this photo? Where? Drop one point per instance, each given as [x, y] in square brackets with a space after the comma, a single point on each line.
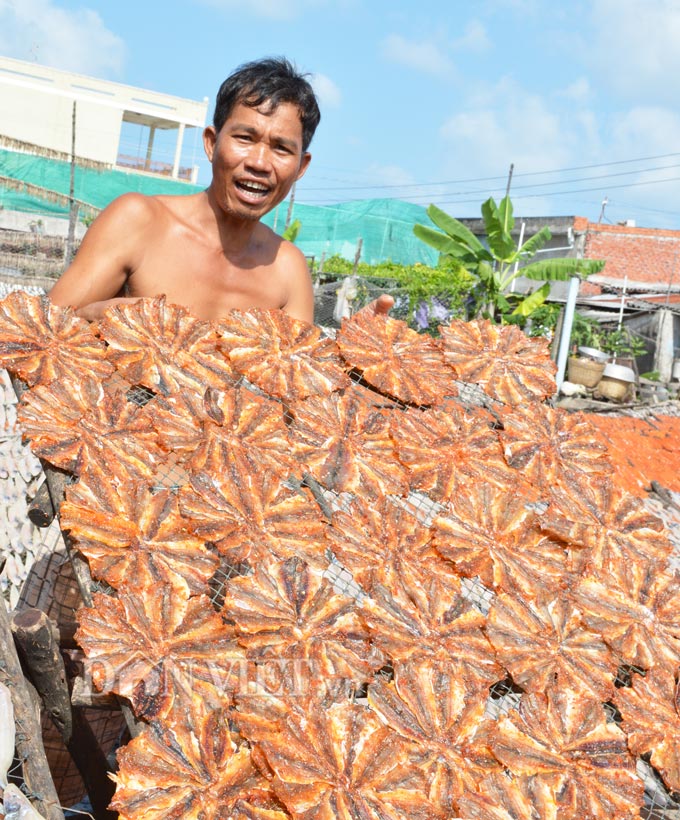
[642, 450]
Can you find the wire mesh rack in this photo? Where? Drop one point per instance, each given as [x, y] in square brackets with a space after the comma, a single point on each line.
[53, 588]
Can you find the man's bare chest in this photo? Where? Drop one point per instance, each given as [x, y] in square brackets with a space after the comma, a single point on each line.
[206, 283]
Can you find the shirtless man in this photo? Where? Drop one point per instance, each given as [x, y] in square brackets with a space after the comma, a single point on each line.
[209, 251]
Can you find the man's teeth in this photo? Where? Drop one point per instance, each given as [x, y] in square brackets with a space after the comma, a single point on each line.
[255, 187]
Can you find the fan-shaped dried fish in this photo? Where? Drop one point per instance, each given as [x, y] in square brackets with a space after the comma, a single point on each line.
[253, 517]
[564, 741]
[284, 357]
[71, 424]
[651, 720]
[431, 704]
[163, 347]
[135, 641]
[340, 761]
[346, 446]
[509, 366]
[373, 541]
[492, 534]
[192, 770]
[395, 359]
[41, 342]
[288, 612]
[546, 644]
[548, 442]
[444, 450]
[130, 526]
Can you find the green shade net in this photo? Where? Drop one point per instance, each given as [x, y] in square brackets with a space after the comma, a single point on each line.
[384, 226]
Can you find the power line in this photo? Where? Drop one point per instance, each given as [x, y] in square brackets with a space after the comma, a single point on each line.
[576, 190]
[491, 179]
[553, 183]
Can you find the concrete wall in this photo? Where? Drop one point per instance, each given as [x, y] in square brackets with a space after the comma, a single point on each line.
[51, 225]
[37, 103]
[45, 119]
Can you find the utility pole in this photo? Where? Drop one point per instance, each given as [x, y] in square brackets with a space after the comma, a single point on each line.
[289, 215]
[507, 187]
[73, 208]
[605, 202]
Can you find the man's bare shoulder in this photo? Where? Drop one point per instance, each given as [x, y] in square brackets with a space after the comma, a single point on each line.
[144, 209]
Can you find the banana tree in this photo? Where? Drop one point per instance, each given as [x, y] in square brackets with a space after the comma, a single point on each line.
[495, 267]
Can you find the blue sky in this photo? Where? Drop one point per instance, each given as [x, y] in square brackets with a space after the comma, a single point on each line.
[423, 101]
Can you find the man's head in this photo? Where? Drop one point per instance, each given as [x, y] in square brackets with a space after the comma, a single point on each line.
[269, 82]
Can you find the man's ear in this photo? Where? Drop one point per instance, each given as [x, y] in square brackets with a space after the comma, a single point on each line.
[209, 140]
[304, 164]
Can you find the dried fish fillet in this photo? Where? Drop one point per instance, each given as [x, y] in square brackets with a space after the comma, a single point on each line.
[253, 518]
[375, 541]
[41, 342]
[427, 617]
[192, 770]
[651, 720]
[75, 423]
[545, 644]
[135, 641]
[444, 450]
[284, 357]
[564, 741]
[346, 446]
[120, 530]
[548, 442]
[432, 705]
[493, 534]
[622, 539]
[163, 347]
[289, 612]
[511, 367]
[642, 625]
[340, 761]
[395, 359]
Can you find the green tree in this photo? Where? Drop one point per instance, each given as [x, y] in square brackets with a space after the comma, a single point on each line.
[494, 267]
[292, 231]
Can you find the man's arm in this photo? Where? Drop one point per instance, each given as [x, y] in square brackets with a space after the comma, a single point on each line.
[300, 302]
[108, 253]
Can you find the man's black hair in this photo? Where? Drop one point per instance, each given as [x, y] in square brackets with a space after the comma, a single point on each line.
[270, 81]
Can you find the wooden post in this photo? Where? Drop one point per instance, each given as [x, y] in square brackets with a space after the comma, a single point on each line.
[357, 256]
[73, 207]
[40, 510]
[38, 638]
[29, 746]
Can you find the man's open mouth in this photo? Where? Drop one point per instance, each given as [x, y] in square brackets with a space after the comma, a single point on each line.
[253, 190]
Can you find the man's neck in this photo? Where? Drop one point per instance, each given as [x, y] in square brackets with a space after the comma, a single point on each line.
[235, 233]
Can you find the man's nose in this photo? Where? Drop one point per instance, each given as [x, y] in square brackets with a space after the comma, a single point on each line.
[259, 157]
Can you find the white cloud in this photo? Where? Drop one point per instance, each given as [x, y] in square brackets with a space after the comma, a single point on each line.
[578, 91]
[388, 175]
[474, 38]
[635, 46]
[326, 90]
[267, 9]
[513, 127]
[72, 40]
[424, 56]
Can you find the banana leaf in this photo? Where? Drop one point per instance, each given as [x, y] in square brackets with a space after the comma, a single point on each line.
[535, 243]
[533, 301]
[456, 230]
[499, 224]
[554, 269]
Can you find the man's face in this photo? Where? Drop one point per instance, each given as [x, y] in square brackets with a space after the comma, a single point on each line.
[256, 158]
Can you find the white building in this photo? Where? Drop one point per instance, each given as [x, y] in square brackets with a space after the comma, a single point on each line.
[36, 107]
